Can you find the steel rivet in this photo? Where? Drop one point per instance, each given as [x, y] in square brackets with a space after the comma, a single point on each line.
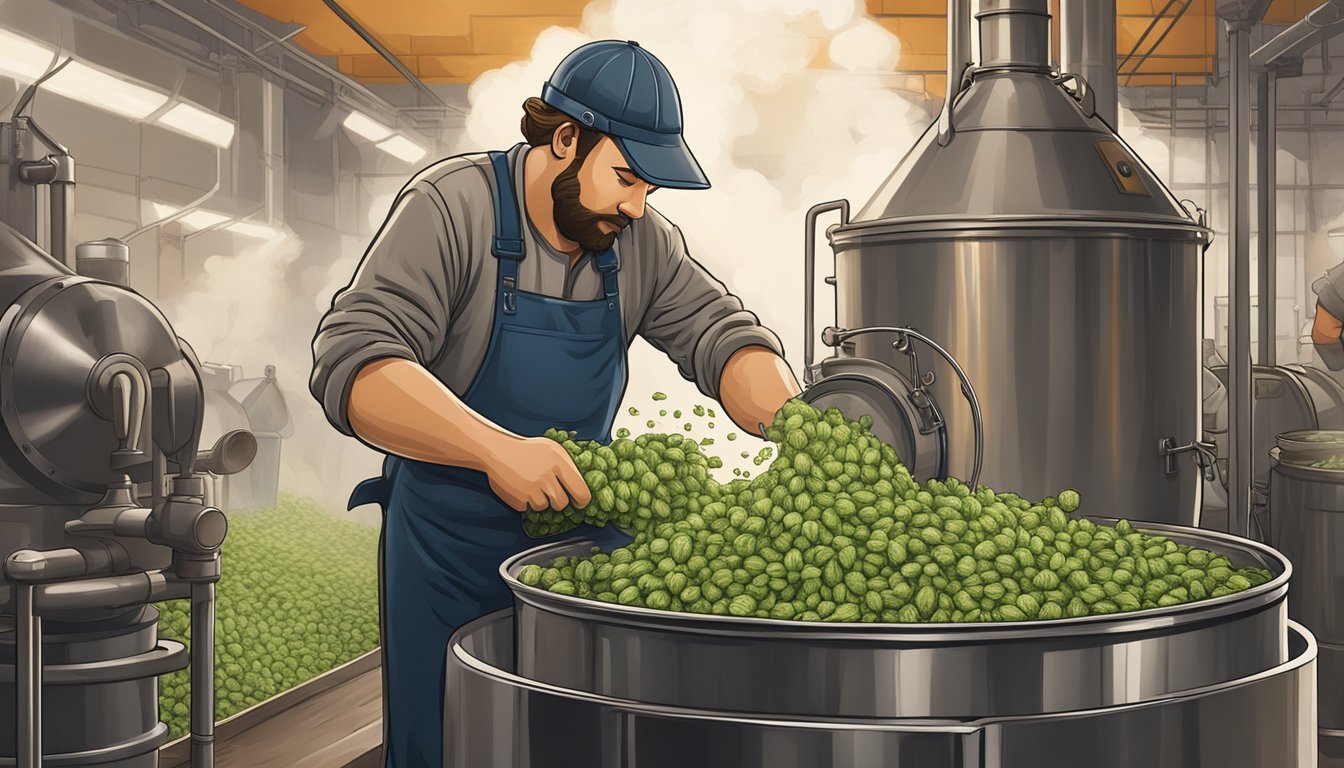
[1124, 168]
[27, 448]
[588, 118]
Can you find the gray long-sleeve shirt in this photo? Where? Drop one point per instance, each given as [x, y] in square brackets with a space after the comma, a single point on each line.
[425, 290]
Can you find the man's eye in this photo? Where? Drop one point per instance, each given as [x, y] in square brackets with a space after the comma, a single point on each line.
[624, 183]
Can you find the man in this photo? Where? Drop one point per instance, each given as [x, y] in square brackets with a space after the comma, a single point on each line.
[1327, 329]
[498, 300]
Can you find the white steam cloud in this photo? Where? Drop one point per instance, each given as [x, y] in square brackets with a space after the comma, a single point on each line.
[775, 135]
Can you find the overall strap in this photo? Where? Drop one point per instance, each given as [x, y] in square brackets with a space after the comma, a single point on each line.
[508, 243]
[607, 264]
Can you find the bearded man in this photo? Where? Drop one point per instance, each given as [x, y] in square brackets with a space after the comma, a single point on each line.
[499, 300]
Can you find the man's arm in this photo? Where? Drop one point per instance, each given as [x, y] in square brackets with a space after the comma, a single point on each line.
[401, 408]
[370, 353]
[755, 385]
[1327, 328]
[713, 339]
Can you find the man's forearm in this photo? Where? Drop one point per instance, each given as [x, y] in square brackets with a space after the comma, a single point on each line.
[755, 384]
[1326, 327]
[399, 407]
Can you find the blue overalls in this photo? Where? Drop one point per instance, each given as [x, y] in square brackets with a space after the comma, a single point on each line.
[550, 363]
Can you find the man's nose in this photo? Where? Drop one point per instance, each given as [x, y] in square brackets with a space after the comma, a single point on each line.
[633, 208]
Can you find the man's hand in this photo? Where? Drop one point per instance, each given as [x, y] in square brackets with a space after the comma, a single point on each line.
[755, 384]
[536, 473]
[1327, 328]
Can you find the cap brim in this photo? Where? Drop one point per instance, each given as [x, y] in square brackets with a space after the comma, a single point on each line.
[671, 166]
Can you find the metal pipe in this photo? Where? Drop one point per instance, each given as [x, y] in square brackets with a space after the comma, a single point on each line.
[28, 673]
[189, 207]
[1239, 288]
[1266, 192]
[296, 52]
[297, 82]
[1087, 48]
[1330, 95]
[61, 214]
[958, 59]
[1320, 24]
[109, 591]
[809, 277]
[382, 50]
[203, 675]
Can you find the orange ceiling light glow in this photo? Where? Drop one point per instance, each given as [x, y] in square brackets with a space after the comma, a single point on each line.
[1158, 42]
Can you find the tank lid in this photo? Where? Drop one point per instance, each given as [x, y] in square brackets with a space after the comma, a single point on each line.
[1024, 149]
[107, 248]
[1315, 448]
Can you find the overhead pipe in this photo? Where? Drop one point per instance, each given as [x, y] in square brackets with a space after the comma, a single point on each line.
[1319, 25]
[1087, 48]
[382, 50]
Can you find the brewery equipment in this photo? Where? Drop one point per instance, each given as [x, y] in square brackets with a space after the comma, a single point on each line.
[1024, 236]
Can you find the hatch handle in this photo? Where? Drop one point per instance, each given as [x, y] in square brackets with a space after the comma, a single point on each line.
[809, 280]
[1204, 452]
[1081, 92]
[834, 337]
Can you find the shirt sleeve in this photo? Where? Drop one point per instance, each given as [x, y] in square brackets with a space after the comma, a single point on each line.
[1330, 291]
[396, 305]
[695, 321]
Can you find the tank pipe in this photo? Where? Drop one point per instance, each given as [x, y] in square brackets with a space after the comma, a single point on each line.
[203, 675]
[28, 676]
[1320, 24]
[1266, 197]
[1087, 48]
[1239, 288]
[958, 60]
[810, 279]
[109, 591]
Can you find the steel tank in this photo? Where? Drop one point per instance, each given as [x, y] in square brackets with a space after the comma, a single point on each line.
[1039, 250]
[496, 717]
[1308, 526]
[901, 670]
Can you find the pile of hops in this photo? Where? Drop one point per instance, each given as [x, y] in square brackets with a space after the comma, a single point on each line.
[836, 529]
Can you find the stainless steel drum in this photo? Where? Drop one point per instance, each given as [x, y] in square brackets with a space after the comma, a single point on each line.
[495, 717]
[1308, 519]
[901, 670]
[1030, 241]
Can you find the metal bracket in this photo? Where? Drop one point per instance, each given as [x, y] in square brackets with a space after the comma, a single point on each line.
[1081, 93]
[1205, 455]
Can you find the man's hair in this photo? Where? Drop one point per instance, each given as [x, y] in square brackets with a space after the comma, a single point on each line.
[540, 121]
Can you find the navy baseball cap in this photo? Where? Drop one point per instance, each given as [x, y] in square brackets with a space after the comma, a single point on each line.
[620, 89]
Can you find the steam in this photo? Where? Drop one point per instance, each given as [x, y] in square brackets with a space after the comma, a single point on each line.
[775, 135]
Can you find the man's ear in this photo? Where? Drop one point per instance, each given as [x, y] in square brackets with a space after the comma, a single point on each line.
[565, 141]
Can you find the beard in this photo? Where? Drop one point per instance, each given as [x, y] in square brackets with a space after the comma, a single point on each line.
[577, 222]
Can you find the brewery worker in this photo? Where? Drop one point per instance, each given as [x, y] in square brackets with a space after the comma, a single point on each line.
[1326, 331]
[498, 300]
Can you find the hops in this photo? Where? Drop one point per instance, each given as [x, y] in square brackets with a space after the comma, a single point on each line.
[298, 597]
[836, 529]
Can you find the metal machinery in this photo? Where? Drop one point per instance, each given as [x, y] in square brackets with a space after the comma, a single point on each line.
[1039, 250]
[1030, 249]
[257, 405]
[101, 492]
[1307, 494]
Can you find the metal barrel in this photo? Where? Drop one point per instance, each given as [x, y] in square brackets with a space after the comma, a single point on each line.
[496, 717]
[901, 670]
